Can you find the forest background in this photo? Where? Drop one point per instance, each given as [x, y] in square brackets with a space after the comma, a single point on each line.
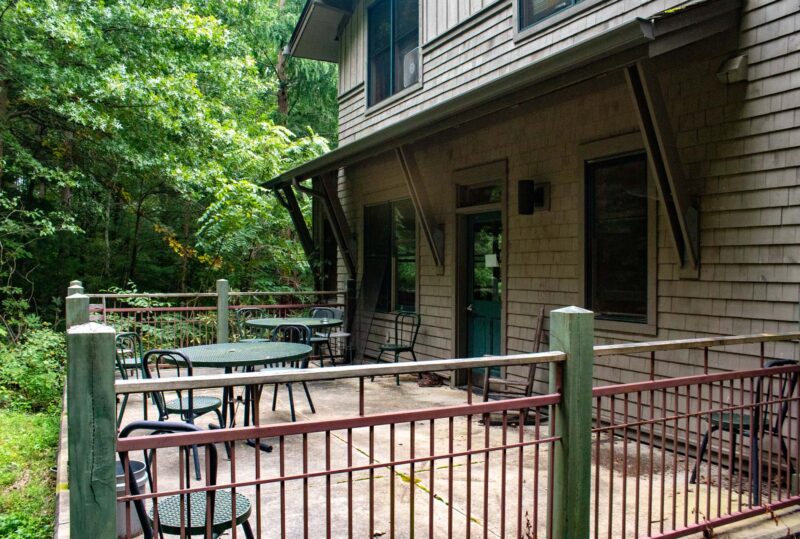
[134, 138]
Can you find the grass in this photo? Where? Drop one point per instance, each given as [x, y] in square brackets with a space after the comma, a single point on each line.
[28, 443]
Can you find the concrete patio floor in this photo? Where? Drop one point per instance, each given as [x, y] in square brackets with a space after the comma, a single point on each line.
[492, 495]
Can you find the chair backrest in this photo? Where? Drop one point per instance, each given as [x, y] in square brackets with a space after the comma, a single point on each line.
[775, 396]
[180, 365]
[296, 333]
[128, 347]
[321, 312]
[242, 315]
[156, 428]
[406, 328]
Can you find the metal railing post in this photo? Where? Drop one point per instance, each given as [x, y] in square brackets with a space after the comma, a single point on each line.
[223, 289]
[77, 306]
[92, 433]
[572, 332]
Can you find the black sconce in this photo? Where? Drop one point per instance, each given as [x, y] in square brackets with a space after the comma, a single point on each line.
[532, 196]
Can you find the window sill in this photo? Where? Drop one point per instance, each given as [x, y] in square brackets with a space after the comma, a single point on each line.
[402, 95]
[551, 21]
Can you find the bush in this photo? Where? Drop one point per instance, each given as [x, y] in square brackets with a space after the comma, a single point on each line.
[32, 371]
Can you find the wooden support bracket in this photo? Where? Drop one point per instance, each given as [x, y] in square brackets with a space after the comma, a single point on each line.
[674, 191]
[434, 233]
[333, 209]
[289, 200]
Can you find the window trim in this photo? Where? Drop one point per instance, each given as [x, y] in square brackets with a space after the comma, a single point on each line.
[601, 150]
[400, 95]
[393, 307]
[555, 19]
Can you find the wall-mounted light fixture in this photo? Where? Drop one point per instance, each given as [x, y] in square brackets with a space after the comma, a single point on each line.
[532, 196]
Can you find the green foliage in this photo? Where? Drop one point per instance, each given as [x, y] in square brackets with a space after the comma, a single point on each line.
[32, 370]
[27, 492]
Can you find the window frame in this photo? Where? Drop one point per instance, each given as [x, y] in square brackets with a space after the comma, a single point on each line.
[521, 33]
[398, 95]
[393, 259]
[610, 149]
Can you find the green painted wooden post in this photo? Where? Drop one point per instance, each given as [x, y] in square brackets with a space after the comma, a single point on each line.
[572, 332]
[222, 310]
[77, 306]
[91, 414]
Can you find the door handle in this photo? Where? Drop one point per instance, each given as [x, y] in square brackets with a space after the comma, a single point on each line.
[469, 308]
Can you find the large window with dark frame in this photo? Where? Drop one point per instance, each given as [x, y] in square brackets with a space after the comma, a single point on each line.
[390, 256]
[533, 11]
[393, 47]
[617, 238]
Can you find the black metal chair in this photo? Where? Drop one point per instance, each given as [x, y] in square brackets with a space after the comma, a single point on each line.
[129, 363]
[297, 334]
[322, 337]
[198, 506]
[756, 423]
[188, 406]
[339, 339]
[242, 332]
[406, 329]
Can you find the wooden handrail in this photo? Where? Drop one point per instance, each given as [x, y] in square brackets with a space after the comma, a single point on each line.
[681, 344]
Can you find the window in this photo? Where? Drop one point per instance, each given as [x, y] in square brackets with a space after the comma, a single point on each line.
[390, 256]
[393, 44]
[617, 231]
[533, 11]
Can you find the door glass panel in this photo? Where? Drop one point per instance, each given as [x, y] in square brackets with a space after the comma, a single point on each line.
[486, 285]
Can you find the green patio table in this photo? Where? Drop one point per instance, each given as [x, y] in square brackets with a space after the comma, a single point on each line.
[311, 323]
[243, 354]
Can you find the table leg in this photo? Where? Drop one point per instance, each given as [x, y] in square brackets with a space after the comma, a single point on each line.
[251, 400]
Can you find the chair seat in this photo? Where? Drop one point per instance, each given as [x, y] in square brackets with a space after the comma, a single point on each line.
[730, 421]
[339, 335]
[317, 339]
[130, 363]
[201, 405]
[392, 347]
[169, 512]
[254, 340]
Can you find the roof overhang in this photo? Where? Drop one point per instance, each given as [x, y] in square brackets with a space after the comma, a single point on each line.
[316, 35]
[636, 40]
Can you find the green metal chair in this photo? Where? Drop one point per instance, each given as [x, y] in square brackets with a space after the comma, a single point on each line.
[242, 332]
[186, 405]
[756, 423]
[406, 329]
[322, 337]
[129, 363]
[298, 334]
[197, 505]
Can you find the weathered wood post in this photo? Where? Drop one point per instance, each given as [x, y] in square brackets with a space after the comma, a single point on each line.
[77, 307]
[223, 288]
[91, 414]
[572, 332]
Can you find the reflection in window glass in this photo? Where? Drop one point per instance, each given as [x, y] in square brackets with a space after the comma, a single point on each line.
[533, 11]
[487, 238]
[390, 256]
[393, 40]
[478, 195]
[616, 238]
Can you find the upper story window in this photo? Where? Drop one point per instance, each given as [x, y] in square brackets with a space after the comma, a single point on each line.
[533, 11]
[393, 47]
[617, 239]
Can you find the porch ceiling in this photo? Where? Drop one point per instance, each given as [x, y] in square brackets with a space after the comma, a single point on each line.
[622, 46]
[316, 35]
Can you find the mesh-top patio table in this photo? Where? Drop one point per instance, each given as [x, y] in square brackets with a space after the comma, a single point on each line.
[311, 323]
[243, 354]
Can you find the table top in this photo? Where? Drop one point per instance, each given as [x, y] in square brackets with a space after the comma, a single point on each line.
[244, 354]
[312, 323]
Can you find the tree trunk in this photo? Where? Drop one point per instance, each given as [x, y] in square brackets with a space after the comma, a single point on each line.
[185, 253]
[3, 123]
[283, 92]
[106, 236]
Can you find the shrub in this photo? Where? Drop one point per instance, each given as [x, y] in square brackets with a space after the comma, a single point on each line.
[32, 371]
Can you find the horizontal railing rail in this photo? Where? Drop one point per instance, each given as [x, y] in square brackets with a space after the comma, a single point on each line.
[683, 344]
[327, 374]
[176, 295]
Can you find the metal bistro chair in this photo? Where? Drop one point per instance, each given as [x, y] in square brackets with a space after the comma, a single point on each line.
[241, 316]
[756, 424]
[340, 338]
[186, 405]
[322, 337]
[197, 506]
[129, 362]
[297, 334]
[406, 329]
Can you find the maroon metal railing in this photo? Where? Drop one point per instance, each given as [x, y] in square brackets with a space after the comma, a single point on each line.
[409, 471]
[178, 320]
[647, 439]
